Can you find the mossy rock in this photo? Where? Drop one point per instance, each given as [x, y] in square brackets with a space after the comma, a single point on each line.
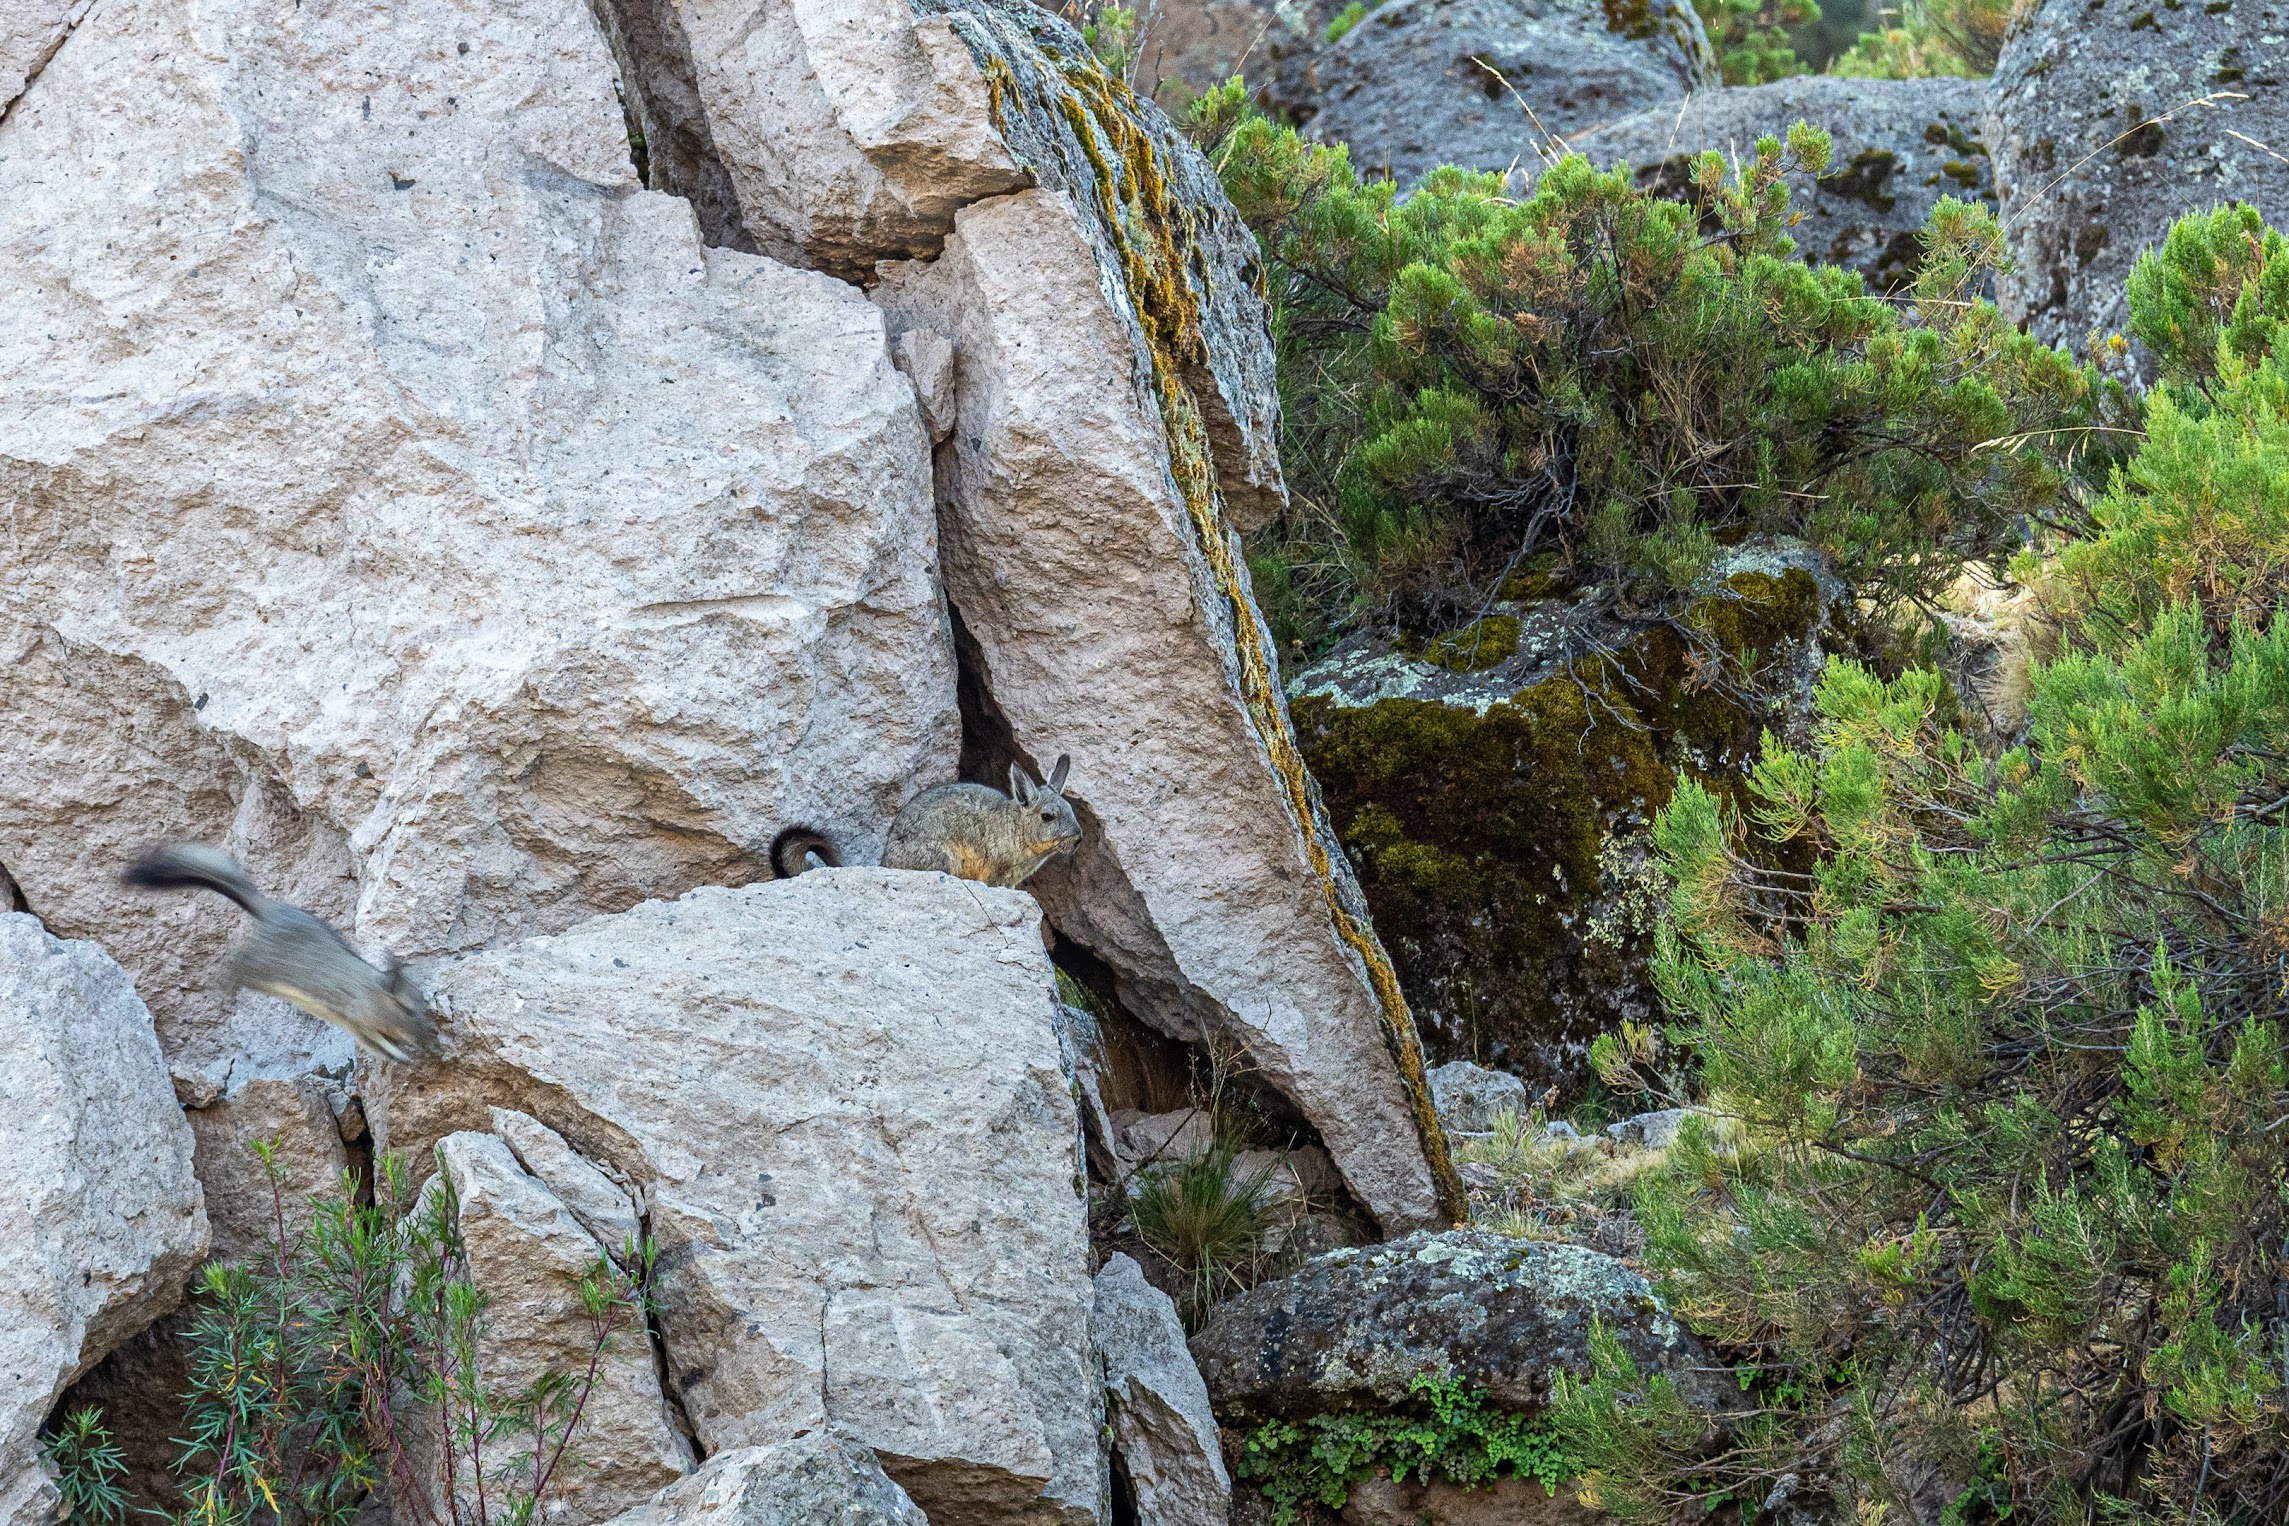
[1500, 828]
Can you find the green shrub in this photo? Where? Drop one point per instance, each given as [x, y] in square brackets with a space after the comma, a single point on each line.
[1470, 381]
[1751, 37]
[1450, 1434]
[1930, 39]
[301, 1362]
[2010, 1202]
[1206, 1218]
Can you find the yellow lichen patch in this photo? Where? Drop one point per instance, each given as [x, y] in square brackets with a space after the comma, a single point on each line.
[1152, 235]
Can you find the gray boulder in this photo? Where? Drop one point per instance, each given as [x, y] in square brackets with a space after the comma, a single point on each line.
[1900, 145]
[2107, 123]
[1420, 83]
[1164, 1432]
[102, 1223]
[1470, 1096]
[1355, 1327]
[817, 1480]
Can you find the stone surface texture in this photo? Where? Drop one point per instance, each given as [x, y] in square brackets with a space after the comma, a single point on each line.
[101, 1224]
[1164, 1433]
[2107, 123]
[1207, 879]
[405, 498]
[1354, 1327]
[1493, 84]
[817, 1480]
[601, 1204]
[841, 1101]
[1899, 145]
[1506, 1502]
[292, 1115]
[1470, 1096]
[527, 1254]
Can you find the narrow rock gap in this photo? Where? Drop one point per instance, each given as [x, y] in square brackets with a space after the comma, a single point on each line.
[656, 1341]
[12, 897]
[669, 137]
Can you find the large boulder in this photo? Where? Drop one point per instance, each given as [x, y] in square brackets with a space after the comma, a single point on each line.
[405, 497]
[1900, 145]
[1164, 1429]
[101, 1223]
[526, 1255]
[1356, 1327]
[2107, 123]
[840, 1101]
[1496, 789]
[248, 1199]
[816, 1480]
[1108, 450]
[1492, 84]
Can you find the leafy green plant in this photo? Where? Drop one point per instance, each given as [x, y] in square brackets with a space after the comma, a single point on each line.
[1114, 36]
[2007, 1059]
[1626, 382]
[1347, 18]
[1451, 1433]
[1206, 1218]
[1751, 37]
[88, 1466]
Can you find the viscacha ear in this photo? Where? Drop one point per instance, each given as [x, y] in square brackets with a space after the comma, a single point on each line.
[1057, 774]
[1020, 787]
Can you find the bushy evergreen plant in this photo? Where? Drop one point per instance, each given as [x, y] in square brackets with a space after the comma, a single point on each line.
[1625, 381]
[2000, 1221]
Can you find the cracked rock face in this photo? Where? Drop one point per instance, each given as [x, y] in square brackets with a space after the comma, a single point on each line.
[527, 1254]
[840, 1099]
[818, 1480]
[1900, 145]
[404, 497]
[1355, 1327]
[102, 1223]
[1163, 1427]
[2110, 122]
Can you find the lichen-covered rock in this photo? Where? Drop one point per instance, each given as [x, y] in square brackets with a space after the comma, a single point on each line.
[2108, 121]
[1420, 83]
[841, 1103]
[816, 1480]
[1471, 1097]
[101, 1222]
[1496, 791]
[1164, 1430]
[1354, 1328]
[1089, 502]
[1900, 145]
[405, 498]
[527, 1255]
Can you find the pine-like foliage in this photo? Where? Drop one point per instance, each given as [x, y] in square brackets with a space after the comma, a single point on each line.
[1623, 381]
[1751, 37]
[1994, 1198]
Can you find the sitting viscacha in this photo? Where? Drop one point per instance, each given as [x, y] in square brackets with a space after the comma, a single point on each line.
[292, 954]
[975, 832]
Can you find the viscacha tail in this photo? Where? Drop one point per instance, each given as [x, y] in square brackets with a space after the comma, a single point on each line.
[190, 866]
[791, 851]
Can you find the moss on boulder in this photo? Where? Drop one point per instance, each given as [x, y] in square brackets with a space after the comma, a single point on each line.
[1498, 816]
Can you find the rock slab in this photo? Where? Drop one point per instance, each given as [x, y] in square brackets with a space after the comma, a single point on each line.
[1491, 84]
[817, 1480]
[1355, 1327]
[2107, 124]
[101, 1221]
[840, 1101]
[1164, 1432]
[527, 1254]
[407, 499]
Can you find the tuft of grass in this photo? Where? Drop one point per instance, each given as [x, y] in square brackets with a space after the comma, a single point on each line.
[1206, 1218]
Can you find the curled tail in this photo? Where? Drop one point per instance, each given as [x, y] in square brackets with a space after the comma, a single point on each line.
[189, 866]
[791, 851]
